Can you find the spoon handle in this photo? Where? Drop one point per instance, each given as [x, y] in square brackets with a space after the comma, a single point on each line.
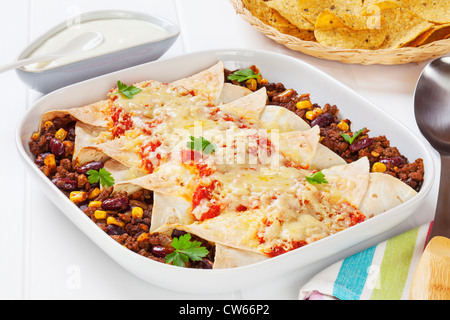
[441, 224]
[24, 62]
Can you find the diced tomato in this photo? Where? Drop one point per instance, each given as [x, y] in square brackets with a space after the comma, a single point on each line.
[121, 121]
[213, 211]
[188, 156]
[280, 249]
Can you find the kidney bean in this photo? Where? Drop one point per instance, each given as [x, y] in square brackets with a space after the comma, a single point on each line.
[65, 184]
[57, 147]
[395, 161]
[71, 134]
[178, 233]
[40, 158]
[114, 230]
[324, 120]
[207, 264]
[161, 251]
[95, 165]
[360, 144]
[115, 204]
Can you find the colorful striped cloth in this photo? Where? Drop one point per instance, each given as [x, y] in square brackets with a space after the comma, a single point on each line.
[382, 272]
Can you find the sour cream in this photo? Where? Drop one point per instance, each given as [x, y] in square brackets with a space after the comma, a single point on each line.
[118, 34]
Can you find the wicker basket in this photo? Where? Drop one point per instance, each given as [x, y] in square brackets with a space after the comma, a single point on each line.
[356, 56]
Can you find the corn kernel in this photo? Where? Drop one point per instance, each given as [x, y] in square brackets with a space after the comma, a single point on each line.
[112, 220]
[378, 167]
[77, 196]
[343, 125]
[251, 84]
[304, 104]
[49, 161]
[375, 154]
[137, 212]
[264, 81]
[68, 145]
[95, 204]
[311, 115]
[255, 69]
[48, 124]
[94, 193]
[142, 237]
[61, 134]
[35, 136]
[100, 214]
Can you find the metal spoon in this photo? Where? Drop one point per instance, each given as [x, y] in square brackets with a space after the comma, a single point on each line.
[83, 42]
[431, 280]
[432, 112]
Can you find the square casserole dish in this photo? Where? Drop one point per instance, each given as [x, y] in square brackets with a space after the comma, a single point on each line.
[293, 73]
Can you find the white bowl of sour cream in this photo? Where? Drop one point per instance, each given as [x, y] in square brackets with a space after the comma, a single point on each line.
[129, 39]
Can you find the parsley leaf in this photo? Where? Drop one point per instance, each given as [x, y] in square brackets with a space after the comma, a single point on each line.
[102, 175]
[200, 144]
[185, 249]
[127, 91]
[349, 139]
[317, 177]
[243, 75]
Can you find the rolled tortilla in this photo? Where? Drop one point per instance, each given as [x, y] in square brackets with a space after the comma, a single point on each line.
[384, 192]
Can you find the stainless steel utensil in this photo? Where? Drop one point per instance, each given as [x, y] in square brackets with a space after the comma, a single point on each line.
[432, 112]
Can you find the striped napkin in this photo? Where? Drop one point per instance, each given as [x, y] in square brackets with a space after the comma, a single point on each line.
[382, 272]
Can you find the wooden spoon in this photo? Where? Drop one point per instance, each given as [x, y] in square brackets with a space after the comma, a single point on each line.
[431, 279]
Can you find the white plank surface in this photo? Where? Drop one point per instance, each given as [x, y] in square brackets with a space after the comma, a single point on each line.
[44, 256]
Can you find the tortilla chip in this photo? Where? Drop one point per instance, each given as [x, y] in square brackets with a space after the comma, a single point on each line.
[437, 32]
[311, 9]
[271, 17]
[290, 10]
[402, 26]
[332, 31]
[437, 11]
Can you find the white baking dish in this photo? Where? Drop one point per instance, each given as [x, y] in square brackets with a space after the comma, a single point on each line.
[277, 68]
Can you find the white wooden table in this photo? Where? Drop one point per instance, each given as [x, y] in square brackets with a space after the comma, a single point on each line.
[43, 255]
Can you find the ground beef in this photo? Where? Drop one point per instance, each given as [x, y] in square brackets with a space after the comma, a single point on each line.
[128, 230]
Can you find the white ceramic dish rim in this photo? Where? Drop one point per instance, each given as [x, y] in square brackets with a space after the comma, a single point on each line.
[217, 281]
[171, 28]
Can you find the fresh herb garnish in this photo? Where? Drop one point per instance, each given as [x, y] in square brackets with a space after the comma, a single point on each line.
[349, 139]
[200, 144]
[127, 91]
[102, 175]
[185, 249]
[243, 75]
[317, 177]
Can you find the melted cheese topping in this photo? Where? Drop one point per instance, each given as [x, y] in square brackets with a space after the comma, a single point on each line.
[243, 191]
[273, 210]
